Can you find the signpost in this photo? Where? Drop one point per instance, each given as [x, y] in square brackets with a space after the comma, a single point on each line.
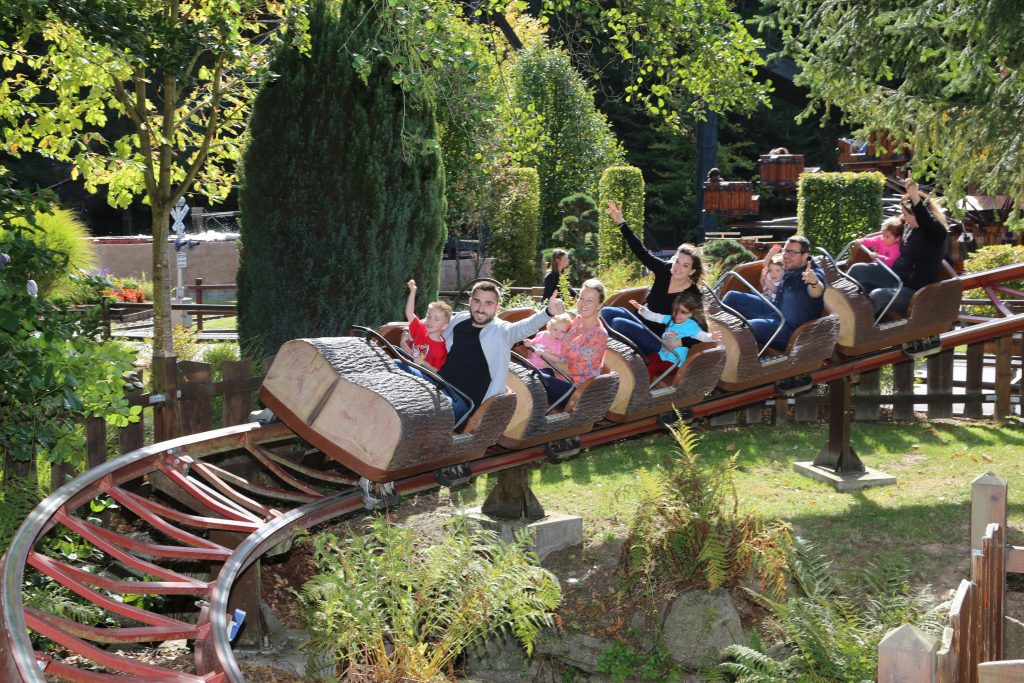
[178, 213]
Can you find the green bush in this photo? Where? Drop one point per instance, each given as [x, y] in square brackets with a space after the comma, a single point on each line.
[556, 128]
[625, 186]
[987, 258]
[514, 227]
[342, 188]
[721, 256]
[578, 235]
[826, 635]
[407, 606]
[834, 208]
[688, 532]
[62, 232]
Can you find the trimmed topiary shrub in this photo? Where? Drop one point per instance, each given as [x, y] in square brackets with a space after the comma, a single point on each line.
[625, 186]
[578, 234]
[987, 258]
[342, 192]
[514, 227]
[834, 208]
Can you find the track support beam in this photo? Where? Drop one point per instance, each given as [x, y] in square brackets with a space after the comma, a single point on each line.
[511, 498]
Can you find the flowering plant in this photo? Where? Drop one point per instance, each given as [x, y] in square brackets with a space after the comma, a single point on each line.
[126, 290]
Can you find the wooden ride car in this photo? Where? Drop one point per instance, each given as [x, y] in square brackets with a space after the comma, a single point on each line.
[347, 397]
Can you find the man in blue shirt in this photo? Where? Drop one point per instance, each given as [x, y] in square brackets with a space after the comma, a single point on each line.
[799, 297]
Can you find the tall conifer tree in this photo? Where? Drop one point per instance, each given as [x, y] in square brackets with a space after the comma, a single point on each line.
[342, 192]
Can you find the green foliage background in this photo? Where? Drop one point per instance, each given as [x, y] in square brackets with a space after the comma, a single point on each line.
[625, 186]
[564, 136]
[834, 208]
[342, 191]
[514, 227]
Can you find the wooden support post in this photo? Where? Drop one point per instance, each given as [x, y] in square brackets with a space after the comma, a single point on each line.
[511, 498]
[869, 385]
[1008, 671]
[245, 594]
[1004, 351]
[988, 504]
[906, 654]
[781, 411]
[805, 407]
[903, 388]
[165, 383]
[975, 368]
[237, 405]
[940, 384]
[838, 453]
[199, 299]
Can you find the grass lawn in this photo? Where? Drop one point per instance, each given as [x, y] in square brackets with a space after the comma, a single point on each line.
[924, 519]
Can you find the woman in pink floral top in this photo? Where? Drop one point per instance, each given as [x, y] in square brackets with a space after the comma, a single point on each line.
[583, 347]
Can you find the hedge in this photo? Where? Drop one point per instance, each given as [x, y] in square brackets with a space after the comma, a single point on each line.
[514, 227]
[625, 186]
[834, 208]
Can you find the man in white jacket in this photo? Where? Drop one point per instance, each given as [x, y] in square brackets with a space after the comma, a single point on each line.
[480, 344]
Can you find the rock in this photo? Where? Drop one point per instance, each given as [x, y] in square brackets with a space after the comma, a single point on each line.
[698, 622]
[575, 649]
[499, 659]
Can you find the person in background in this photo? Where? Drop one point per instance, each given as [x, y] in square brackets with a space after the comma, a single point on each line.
[683, 272]
[559, 262]
[885, 246]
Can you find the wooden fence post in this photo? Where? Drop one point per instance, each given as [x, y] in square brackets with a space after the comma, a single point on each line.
[906, 655]
[869, 385]
[1004, 351]
[988, 504]
[940, 384]
[165, 383]
[903, 389]
[237, 405]
[194, 414]
[973, 389]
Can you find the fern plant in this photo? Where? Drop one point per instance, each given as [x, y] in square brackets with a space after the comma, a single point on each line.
[688, 531]
[827, 636]
[406, 608]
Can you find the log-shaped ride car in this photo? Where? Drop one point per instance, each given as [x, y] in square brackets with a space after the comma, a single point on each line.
[747, 365]
[932, 310]
[347, 397]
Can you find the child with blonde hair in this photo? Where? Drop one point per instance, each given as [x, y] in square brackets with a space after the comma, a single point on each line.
[550, 339]
[427, 336]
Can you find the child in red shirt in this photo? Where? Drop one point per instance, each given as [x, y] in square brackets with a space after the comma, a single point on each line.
[427, 335]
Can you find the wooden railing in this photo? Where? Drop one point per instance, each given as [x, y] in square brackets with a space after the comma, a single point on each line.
[973, 644]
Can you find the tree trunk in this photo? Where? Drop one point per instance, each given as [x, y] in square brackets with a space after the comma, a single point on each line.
[162, 339]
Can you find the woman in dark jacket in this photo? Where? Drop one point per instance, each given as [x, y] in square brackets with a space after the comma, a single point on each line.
[559, 262]
[683, 272]
[921, 252]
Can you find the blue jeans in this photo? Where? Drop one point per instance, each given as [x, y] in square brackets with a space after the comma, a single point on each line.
[880, 286]
[459, 405]
[762, 319]
[622, 322]
[555, 386]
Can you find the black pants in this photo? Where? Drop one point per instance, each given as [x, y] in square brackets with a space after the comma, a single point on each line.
[880, 286]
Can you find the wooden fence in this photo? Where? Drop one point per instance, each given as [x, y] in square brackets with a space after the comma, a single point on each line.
[185, 407]
[972, 646]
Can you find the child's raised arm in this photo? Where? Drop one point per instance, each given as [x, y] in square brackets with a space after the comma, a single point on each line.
[410, 302]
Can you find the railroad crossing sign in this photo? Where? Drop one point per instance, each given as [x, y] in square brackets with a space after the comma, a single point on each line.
[178, 212]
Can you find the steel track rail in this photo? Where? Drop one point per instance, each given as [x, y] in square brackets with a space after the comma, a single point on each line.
[232, 507]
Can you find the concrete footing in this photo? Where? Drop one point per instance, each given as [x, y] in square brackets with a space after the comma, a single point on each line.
[550, 533]
[844, 481]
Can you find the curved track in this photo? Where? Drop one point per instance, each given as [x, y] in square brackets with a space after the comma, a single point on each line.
[186, 506]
